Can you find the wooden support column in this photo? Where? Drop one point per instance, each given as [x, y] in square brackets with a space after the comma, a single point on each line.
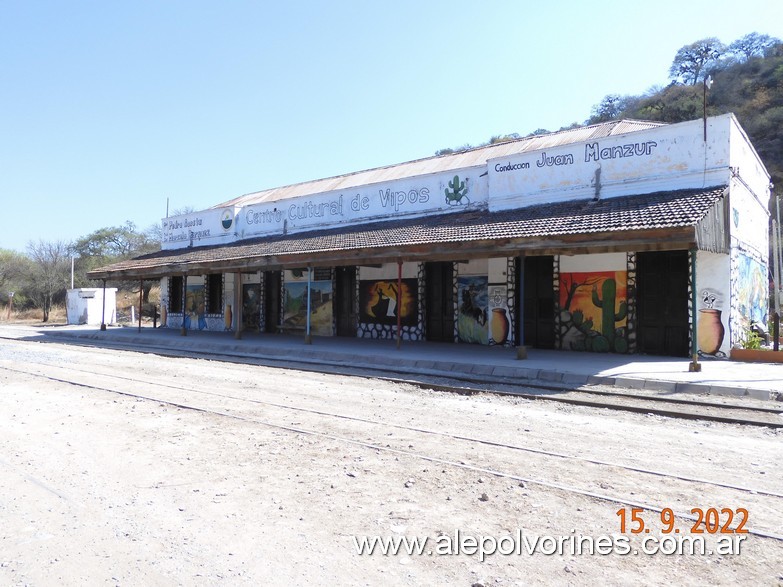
[694, 365]
[238, 304]
[141, 300]
[521, 348]
[399, 306]
[184, 331]
[103, 309]
[308, 337]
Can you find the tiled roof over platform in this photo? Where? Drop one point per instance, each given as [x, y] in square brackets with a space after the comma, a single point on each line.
[349, 245]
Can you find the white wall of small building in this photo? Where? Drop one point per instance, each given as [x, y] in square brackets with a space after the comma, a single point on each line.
[749, 237]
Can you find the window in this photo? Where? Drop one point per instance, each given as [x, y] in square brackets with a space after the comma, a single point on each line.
[214, 287]
[175, 294]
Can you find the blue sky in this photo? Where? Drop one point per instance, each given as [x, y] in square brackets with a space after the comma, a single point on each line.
[109, 108]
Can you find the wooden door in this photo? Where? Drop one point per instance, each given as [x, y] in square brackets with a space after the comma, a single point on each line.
[439, 301]
[662, 303]
[272, 283]
[539, 302]
[345, 301]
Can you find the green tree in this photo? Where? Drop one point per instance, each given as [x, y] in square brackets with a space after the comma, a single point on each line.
[110, 244]
[752, 45]
[12, 267]
[692, 62]
[49, 274]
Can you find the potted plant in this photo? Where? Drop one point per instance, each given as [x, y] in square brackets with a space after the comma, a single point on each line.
[751, 350]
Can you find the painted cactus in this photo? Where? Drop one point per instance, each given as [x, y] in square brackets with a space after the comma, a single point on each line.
[458, 191]
[608, 317]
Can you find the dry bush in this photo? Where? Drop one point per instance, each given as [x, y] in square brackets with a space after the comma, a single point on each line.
[57, 315]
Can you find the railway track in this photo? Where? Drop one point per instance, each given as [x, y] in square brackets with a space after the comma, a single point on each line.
[583, 396]
[354, 430]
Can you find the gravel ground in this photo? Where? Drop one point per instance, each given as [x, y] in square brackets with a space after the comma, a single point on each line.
[106, 481]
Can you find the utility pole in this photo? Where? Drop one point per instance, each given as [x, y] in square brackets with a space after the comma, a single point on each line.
[776, 283]
[707, 85]
[778, 270]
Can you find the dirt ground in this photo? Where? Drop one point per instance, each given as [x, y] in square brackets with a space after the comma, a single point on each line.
[280, 471]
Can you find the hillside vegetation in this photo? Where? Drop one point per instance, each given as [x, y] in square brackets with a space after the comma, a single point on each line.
[749, 84]
[744, 77]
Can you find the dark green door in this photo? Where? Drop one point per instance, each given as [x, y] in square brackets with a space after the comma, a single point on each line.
[439, 301]
[662, 303]
[539, 302]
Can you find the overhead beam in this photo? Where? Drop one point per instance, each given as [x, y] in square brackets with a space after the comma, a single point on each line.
[605, 242]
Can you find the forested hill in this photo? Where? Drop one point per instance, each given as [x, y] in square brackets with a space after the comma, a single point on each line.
[749, 85]
[746, 78]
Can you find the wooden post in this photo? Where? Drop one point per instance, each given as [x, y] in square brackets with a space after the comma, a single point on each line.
[103, 309]
[520, 313]
[184, 331]
[694, 365]
[238, 304]
[776, 282]
[308, 337]
[399, 295]
[141, 300]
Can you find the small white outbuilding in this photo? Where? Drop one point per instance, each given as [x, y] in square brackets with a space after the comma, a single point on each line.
[85, 305]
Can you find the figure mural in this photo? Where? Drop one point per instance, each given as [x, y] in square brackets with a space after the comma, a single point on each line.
[472, 324]
[251, 306]
[593, 311]
[752, 295]
[380, 301]
[195, 316]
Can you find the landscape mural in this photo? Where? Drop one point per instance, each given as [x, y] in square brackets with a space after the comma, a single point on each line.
[593, 311]
[295, 306]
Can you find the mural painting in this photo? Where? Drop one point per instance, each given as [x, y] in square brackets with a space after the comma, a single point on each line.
[194, 308]
[472, 323]
[251, 306]
[752, 291]
[295, 307]
[710, 329]
[593, 311]
[499, 324]
[457, 192]
[380, 302]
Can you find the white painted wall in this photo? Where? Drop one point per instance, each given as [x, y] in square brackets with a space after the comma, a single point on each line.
[251, 278]
[474, 267]
[205, 227]
[713, 292]
[388, 271]
[593, 263]
[658, 159]
[85, 306]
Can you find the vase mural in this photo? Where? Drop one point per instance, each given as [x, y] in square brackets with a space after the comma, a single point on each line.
[499, 325]
[710, 331]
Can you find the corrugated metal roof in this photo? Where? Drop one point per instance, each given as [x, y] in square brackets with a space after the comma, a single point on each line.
[471, 158]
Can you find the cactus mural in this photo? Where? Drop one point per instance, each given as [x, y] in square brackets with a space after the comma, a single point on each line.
[457, 192]
[590, 321]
